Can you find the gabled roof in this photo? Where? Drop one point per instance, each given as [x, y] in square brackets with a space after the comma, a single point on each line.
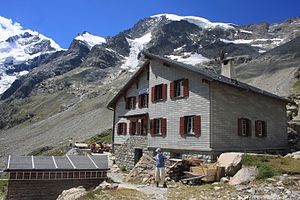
[209, 74]
[56, 163]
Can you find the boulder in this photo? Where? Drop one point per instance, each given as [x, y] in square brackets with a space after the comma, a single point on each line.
[72, 194]
[295, 155]
[244, 175]
[231, 161]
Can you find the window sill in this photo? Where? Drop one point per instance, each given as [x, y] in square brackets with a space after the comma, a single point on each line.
[158, 135]
[158, 100]
[190, 135]
[180, 97]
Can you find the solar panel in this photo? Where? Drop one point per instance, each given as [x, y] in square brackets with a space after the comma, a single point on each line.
[43, 162]
[62, 162]
[57, 163]
[20, 162]
[101, 161]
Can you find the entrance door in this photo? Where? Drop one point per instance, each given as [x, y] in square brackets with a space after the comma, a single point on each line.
[138, 153]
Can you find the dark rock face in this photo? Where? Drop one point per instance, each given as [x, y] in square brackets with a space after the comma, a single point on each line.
[53, 65]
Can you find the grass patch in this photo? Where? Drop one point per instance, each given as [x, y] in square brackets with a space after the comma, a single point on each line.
[3, 185]
[120, 193]
[50, 151]
[104, 137]
[271, 166]
[205, 191]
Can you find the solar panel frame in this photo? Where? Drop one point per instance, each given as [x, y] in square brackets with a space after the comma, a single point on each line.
[57, 163]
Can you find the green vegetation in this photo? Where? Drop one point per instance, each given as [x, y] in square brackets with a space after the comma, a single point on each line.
[296, 87]
[271, 166]
[3, 185]
[104, 137]
[59, 150]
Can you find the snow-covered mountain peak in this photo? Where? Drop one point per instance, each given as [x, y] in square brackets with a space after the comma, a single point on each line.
[90, 40]
[8, 28]
[18, 45]
[199, 21]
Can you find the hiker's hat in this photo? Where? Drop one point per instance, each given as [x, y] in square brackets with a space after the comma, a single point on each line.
[158, 150]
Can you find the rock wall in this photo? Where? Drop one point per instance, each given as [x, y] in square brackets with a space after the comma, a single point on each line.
[124, 153]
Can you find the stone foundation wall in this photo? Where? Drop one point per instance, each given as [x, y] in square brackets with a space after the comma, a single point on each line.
[45, 189]
[124, 153]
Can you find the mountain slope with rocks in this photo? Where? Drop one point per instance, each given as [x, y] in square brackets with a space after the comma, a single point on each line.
[64, 93]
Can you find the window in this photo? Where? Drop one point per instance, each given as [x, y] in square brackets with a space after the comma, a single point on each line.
[159, 92]
[260, 128]
[132, 128]
[179, 88]
[122, 129]
[190, 125]
[158, 126]
[130, 103]
[244, 127]
[143, 127]
[143, 101]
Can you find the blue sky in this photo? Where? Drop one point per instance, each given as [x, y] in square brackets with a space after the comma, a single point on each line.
[62, 20]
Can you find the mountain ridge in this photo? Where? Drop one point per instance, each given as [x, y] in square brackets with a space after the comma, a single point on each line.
[65, 93]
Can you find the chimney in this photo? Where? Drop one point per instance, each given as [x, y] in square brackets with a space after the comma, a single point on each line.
[228, 69]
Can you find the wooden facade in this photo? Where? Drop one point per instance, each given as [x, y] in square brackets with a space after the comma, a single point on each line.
[203, 114]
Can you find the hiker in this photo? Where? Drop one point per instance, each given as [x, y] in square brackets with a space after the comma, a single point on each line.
[160, 167]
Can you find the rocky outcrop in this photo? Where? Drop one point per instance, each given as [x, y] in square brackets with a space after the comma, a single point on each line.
[72, 194]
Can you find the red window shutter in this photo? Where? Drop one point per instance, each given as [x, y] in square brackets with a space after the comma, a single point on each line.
[138, 128]
[172, 90]
[153, 94]
[152, 127]
[125, 128]
[164, 91]
[130, 128]
[134, 102]
[186, 87]
[118, 128]
[239, 130]
[164, 126]
[264, 129]
[140, 101]
[197, 125]
[181, 126]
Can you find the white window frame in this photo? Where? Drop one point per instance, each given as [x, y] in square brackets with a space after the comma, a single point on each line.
[189, 125]
[259, 128]
[178, 90]
[244, 127]
[157, 126]
[144, 101]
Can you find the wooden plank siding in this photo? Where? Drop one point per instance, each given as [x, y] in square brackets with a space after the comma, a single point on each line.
[229, 104]
[197, 103]
[142, 83]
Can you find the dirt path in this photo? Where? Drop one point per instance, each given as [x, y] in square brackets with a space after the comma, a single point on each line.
[151, 190]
